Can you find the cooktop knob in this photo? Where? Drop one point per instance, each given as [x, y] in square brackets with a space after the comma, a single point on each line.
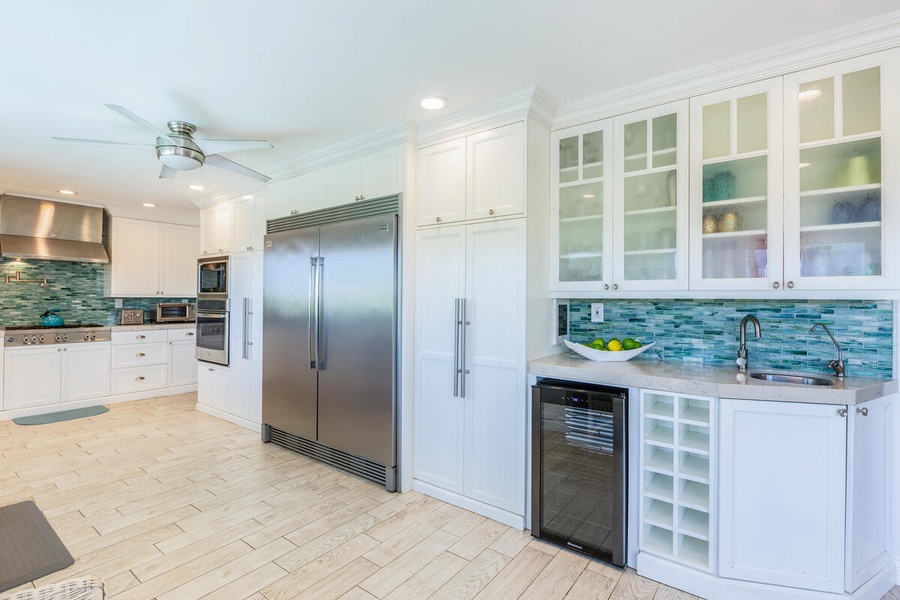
[10, 340]
[41, 340]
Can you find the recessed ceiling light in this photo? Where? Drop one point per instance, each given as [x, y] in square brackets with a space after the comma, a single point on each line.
[433, 103]
[149, 205]
[67, 192]
[808, 95]
[197, 188]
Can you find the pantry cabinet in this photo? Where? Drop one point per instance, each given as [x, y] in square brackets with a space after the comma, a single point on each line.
[245, 350]
[152, 259]
[481, 176]
[470, 365]
[52, 374]
[619, 212]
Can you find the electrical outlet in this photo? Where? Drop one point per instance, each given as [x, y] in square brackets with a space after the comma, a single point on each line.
[118, 303]
[596, 312]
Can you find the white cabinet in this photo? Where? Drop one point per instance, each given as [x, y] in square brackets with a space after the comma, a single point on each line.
[297, 194]
[470, 397]
[152, 259]
[216, 229]
[619, 210]
[476, 177]
[46, 375]
[139, 360]
[245, 350]
[677, 469]
[249, 216]
[182, 356]
[801, 500]
[371, 176]
[213, 386]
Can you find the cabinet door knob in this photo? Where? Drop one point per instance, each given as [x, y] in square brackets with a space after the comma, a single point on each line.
[615, 286]
[437, 219]
[606, 286]
[790, 285]
[775, 284]
[842, 411]
[863, 411]
[491, 212]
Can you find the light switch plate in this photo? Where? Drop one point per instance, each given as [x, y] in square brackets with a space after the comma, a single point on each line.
[118, 303]
[596, 312]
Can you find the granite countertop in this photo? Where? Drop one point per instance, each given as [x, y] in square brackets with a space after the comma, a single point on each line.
[708, 380]
[147, 326]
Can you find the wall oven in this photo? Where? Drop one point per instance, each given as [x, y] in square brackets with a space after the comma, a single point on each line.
[212, 278]
[212, 331]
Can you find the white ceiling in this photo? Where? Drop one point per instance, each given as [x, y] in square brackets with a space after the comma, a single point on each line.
[305, 75]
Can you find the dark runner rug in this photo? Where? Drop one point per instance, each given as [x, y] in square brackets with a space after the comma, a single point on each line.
[63, 415]
[29, 548]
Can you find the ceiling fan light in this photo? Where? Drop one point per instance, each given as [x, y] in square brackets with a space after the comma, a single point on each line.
[179, 158]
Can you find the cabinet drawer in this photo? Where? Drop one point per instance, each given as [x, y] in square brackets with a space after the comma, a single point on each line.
[133, 355]
[138, 378]
[139, 337]
[178, 335]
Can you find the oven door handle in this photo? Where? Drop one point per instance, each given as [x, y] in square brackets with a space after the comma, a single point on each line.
[210, 315]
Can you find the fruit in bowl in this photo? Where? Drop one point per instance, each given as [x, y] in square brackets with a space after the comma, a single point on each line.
[612, 350]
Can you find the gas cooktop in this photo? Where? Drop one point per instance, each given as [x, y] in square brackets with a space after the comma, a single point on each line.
[41, 327]
[29, 335]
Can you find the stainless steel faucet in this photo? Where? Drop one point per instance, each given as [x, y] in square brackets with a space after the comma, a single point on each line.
[837, 365]
[742, 351]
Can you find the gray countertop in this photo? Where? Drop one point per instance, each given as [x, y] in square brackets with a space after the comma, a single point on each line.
[707, 380]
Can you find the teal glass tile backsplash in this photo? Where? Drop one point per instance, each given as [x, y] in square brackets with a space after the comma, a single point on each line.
[706, 331]
[75, 288]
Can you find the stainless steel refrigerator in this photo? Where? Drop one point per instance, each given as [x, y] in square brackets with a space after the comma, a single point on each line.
[330, 305]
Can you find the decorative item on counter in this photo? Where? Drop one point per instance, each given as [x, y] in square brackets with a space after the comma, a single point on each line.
[51, 319]
[730, 221]
[710, 224]
[606, 355]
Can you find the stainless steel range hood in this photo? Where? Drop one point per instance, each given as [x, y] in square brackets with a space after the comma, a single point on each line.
[32, 228]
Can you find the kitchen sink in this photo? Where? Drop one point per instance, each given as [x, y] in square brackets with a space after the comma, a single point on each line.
[799, 378]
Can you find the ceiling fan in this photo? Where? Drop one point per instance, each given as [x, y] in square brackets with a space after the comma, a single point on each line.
[178, 150]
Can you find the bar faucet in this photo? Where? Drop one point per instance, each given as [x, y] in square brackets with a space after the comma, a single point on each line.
[742, 351]
[837, 365]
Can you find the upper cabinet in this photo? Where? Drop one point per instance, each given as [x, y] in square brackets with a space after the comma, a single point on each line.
[216, 235]
[297, 194]
[619, 203]
[152, 259]
[840, 139]
[481, 176]
[736, 188]
[249, 223]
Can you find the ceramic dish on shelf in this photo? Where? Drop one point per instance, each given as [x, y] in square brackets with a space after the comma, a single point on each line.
[606, 355]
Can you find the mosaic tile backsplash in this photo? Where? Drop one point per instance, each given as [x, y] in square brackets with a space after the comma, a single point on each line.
[707, 331]
[77, 289]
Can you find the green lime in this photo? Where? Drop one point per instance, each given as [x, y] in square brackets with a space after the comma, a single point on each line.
[628, 344]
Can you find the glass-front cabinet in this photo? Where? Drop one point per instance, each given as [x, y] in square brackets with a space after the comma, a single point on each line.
[619, 211]
[649, 218]
[581, 213]
[736, 188]
[839, 193]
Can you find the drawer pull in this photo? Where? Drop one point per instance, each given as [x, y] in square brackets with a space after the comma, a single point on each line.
[139, 378]
[189, 333]
[140, 354]
[140, 337]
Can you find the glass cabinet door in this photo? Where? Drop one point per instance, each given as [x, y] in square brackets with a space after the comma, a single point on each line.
[650, 212]
[834, 152]
[736, 188]
[580, 212]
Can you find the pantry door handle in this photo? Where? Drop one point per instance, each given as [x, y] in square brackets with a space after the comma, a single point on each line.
[456, 369]
[462, 348]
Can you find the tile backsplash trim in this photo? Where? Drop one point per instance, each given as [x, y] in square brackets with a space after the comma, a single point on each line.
[77, 289]
[706, 331]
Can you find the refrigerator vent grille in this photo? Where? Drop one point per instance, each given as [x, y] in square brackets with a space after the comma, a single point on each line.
[336, 458]
[333, 214]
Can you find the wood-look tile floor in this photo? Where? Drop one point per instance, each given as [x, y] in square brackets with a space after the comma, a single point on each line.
[164, 502]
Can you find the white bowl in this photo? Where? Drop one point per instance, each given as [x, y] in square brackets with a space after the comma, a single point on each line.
[606, 355]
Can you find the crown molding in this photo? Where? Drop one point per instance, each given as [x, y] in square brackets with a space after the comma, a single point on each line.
[120, 212]
[860, 38]
[500, 111]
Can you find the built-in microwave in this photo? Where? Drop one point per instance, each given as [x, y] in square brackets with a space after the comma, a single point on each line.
[212, 278]
[174, 312]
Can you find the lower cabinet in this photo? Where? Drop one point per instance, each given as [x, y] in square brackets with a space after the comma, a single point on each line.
[182, 356]
[214, 386]
[802, 497]
[139, 360]
[46, 375]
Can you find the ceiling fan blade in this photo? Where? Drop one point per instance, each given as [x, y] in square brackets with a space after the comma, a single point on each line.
[138, 120]
[167, 172]
[219, 146]
[223, 163]
[86, 141]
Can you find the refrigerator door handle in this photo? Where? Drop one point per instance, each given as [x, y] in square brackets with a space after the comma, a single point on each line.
[246, 329]
[320, 266]
[462, 348]
[311, 310]
[456, 368]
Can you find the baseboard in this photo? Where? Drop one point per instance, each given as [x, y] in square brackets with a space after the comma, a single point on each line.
[485, 510]
[710, 587]
[257, 427]
[8, 415]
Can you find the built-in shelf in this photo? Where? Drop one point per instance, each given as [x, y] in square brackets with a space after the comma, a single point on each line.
[732, 201]
[581, 219]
